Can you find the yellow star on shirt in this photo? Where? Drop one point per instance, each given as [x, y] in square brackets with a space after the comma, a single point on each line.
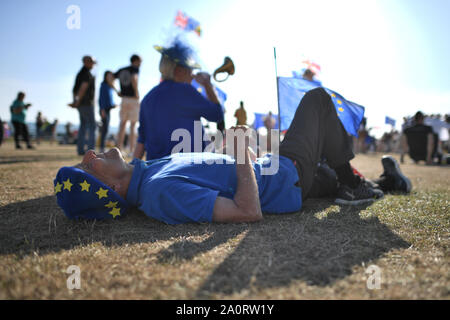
[333, 95]
[339, 102]
[102, 193]
[67, 185]
[58, 187]
[341, 109]
[111, 204]
[85, 186]
[115, 212]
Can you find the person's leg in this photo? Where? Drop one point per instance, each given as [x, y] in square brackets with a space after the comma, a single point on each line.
[104, 131]
[133, 116]
[26, 135]
[314, 132]
[123, 122]
[81, 130]
[132, 136]
[17, 133]
[325, 183]
[91, 126]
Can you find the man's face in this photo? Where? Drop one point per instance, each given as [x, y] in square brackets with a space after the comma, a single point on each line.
[104, 166]
[137, 63]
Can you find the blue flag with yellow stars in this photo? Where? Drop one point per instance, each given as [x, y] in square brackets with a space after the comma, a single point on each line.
[222, 96]
[82, 196]
[291, 92]
[390, 121]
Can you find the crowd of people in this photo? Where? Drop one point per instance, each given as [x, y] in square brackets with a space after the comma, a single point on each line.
[194, 185]
[422, 138]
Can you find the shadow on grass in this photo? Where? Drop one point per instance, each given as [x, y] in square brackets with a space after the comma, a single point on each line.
[273, 253]
[53, 157]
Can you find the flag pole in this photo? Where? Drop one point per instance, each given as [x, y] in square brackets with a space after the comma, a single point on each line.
[278, 95]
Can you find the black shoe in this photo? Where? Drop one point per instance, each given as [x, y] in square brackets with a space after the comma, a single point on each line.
[18, 147]
[359, 195]
[30, 147]
[392, 168]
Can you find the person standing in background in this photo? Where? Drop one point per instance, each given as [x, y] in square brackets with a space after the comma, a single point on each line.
[129, 108]
[39, 124]
[106, 103]
[241, 115]
[18, 114]
[83, 95]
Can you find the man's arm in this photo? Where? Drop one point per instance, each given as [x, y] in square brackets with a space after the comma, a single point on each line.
[245, 206]
[205, 80]
[81, 93]
[139, 151]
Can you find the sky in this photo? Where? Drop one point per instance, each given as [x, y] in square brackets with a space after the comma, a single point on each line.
[391, 56]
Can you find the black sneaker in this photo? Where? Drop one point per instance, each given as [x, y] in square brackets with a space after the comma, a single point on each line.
[359, 195]
[392, 168]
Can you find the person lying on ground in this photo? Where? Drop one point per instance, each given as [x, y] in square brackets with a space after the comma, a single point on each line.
[210, 187]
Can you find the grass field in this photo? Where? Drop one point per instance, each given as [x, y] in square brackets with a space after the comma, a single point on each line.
[322, 252]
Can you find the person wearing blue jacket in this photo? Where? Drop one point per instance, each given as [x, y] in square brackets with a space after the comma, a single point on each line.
[175, 104]
[106, 103]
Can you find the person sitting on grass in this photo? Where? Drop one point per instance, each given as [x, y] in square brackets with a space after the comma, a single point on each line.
[210, 187]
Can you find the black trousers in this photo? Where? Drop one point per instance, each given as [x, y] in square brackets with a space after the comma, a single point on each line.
[21, 129]
[315, 132]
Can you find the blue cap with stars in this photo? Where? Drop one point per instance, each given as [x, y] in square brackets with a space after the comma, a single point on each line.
[180, 53]
[82, 196]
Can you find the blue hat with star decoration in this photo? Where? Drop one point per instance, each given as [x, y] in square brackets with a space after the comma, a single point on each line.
[82, 196]
[181, 53]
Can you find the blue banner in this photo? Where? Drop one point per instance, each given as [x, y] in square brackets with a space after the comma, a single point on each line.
[222, 96]
[389, 121]
[291, 92]
[259, 120]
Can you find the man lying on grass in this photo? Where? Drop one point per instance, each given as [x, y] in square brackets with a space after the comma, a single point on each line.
[211, 187]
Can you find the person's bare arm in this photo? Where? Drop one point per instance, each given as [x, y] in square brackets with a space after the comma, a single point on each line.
[81, 93]
[205, 80]
[245, 206]
[139, 151]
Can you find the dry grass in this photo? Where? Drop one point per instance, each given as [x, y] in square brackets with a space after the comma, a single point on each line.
[320, 253]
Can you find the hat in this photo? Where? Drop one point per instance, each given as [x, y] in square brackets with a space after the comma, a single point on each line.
[180, 53]
[82, 196]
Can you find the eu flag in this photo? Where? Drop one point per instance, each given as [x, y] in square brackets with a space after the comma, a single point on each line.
[259, 120]
[222, 96]
[292, 90]
[389, 121]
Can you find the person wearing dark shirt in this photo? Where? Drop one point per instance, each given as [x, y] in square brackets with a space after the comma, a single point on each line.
[106, 103]
[417, 140]
[175, 104]
[83, 95]
[129, 108]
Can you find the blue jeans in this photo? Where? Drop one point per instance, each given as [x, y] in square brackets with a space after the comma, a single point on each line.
[104, 129]
[87, 123]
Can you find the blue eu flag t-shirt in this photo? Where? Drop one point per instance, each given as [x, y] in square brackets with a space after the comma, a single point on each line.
[183, 187]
